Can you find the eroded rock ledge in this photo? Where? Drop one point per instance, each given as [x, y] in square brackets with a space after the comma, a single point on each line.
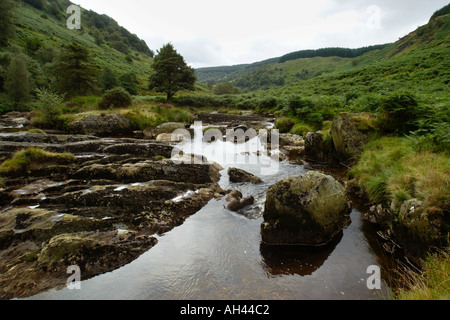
[99, 212]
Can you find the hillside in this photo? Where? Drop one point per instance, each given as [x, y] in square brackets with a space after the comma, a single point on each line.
[296, 67]
[41, 32]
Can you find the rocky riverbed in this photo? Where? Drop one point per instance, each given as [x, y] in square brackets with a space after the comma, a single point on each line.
[98, 212]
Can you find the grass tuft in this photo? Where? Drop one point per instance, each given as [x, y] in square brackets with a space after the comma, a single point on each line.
[23, 159]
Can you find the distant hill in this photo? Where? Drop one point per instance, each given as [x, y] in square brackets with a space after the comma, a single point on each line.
[309, 64]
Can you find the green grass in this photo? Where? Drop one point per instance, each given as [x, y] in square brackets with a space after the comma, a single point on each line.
[24, 159]
[53, 32]
[433, 283]
[392, 169]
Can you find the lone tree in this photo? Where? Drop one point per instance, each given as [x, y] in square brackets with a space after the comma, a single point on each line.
[171, 73]
[75, 73]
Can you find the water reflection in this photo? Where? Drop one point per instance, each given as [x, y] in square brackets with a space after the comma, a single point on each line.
[295, 259]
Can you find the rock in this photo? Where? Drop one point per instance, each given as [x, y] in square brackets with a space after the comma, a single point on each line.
[236, 205]
[236, 202]
[151, 170]
[235, 194]
[316, 149]
[310, 209]
[102, 125]
[238, 175]
[169, 137]
[350, 133]
[168, 127]
[141, 149]
[293, 152]
[288, 139]
[421, 229]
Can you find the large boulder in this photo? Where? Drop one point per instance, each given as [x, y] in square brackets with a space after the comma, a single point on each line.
[102, 125]
[310, 210]
[421, 229]
[316, 148]
[350, 133]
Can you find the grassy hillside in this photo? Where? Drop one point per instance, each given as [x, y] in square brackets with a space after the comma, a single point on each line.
[41, 33]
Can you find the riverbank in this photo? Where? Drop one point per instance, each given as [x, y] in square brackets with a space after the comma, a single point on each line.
[96, 206]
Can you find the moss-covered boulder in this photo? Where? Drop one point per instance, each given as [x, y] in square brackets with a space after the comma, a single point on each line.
[102, 125]
[350, 133]
[421, 229]
[310, 209]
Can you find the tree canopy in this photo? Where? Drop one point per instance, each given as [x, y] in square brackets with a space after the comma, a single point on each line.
[6, 23]
[76, 75]
[171, 73]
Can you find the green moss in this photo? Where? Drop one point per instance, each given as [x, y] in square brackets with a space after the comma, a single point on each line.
[23, 159]
[284, 125]
[301, 129]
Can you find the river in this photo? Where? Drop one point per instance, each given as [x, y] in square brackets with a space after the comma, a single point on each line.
[218, 255]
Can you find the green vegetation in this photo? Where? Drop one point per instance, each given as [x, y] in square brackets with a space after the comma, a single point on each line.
[75, 73]
[24, 159]
[67, 74]
[48, 103]
[6, 21]
[17, 82]
[431, 284]
[171, 73]
[115, 98]
[329, 52]
[391, 169]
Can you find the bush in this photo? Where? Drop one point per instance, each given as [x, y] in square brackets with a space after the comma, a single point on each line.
[49, 103]
[284, 125]
[398, 113]
[301, 129]
[115, 98]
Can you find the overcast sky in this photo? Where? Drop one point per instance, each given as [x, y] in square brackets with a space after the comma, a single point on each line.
[217, 33]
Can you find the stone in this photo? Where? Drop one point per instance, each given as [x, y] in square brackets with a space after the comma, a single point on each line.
[102, 125]
[237, 202]
[310, 210]
[421, 229]
[316, 149]
[238, 175]
[350, 133]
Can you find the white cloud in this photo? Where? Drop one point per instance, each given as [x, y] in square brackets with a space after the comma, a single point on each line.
[212, 33]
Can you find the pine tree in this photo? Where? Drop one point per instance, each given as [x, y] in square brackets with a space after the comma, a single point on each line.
[75, 73]
[17, 83]
[6, 21]
[171, 73]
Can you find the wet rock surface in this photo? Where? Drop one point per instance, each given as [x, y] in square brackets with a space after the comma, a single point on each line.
[309, 210]
[99, 212]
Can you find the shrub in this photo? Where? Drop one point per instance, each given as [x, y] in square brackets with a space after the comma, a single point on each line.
[301, 129]
[115, 98]
[398, 113]
[49, 103]
[284, 125]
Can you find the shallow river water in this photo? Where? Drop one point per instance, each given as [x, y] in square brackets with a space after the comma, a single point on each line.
[217, 254]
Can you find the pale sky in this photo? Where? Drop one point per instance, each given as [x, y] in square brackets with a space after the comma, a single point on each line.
[217, 33]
